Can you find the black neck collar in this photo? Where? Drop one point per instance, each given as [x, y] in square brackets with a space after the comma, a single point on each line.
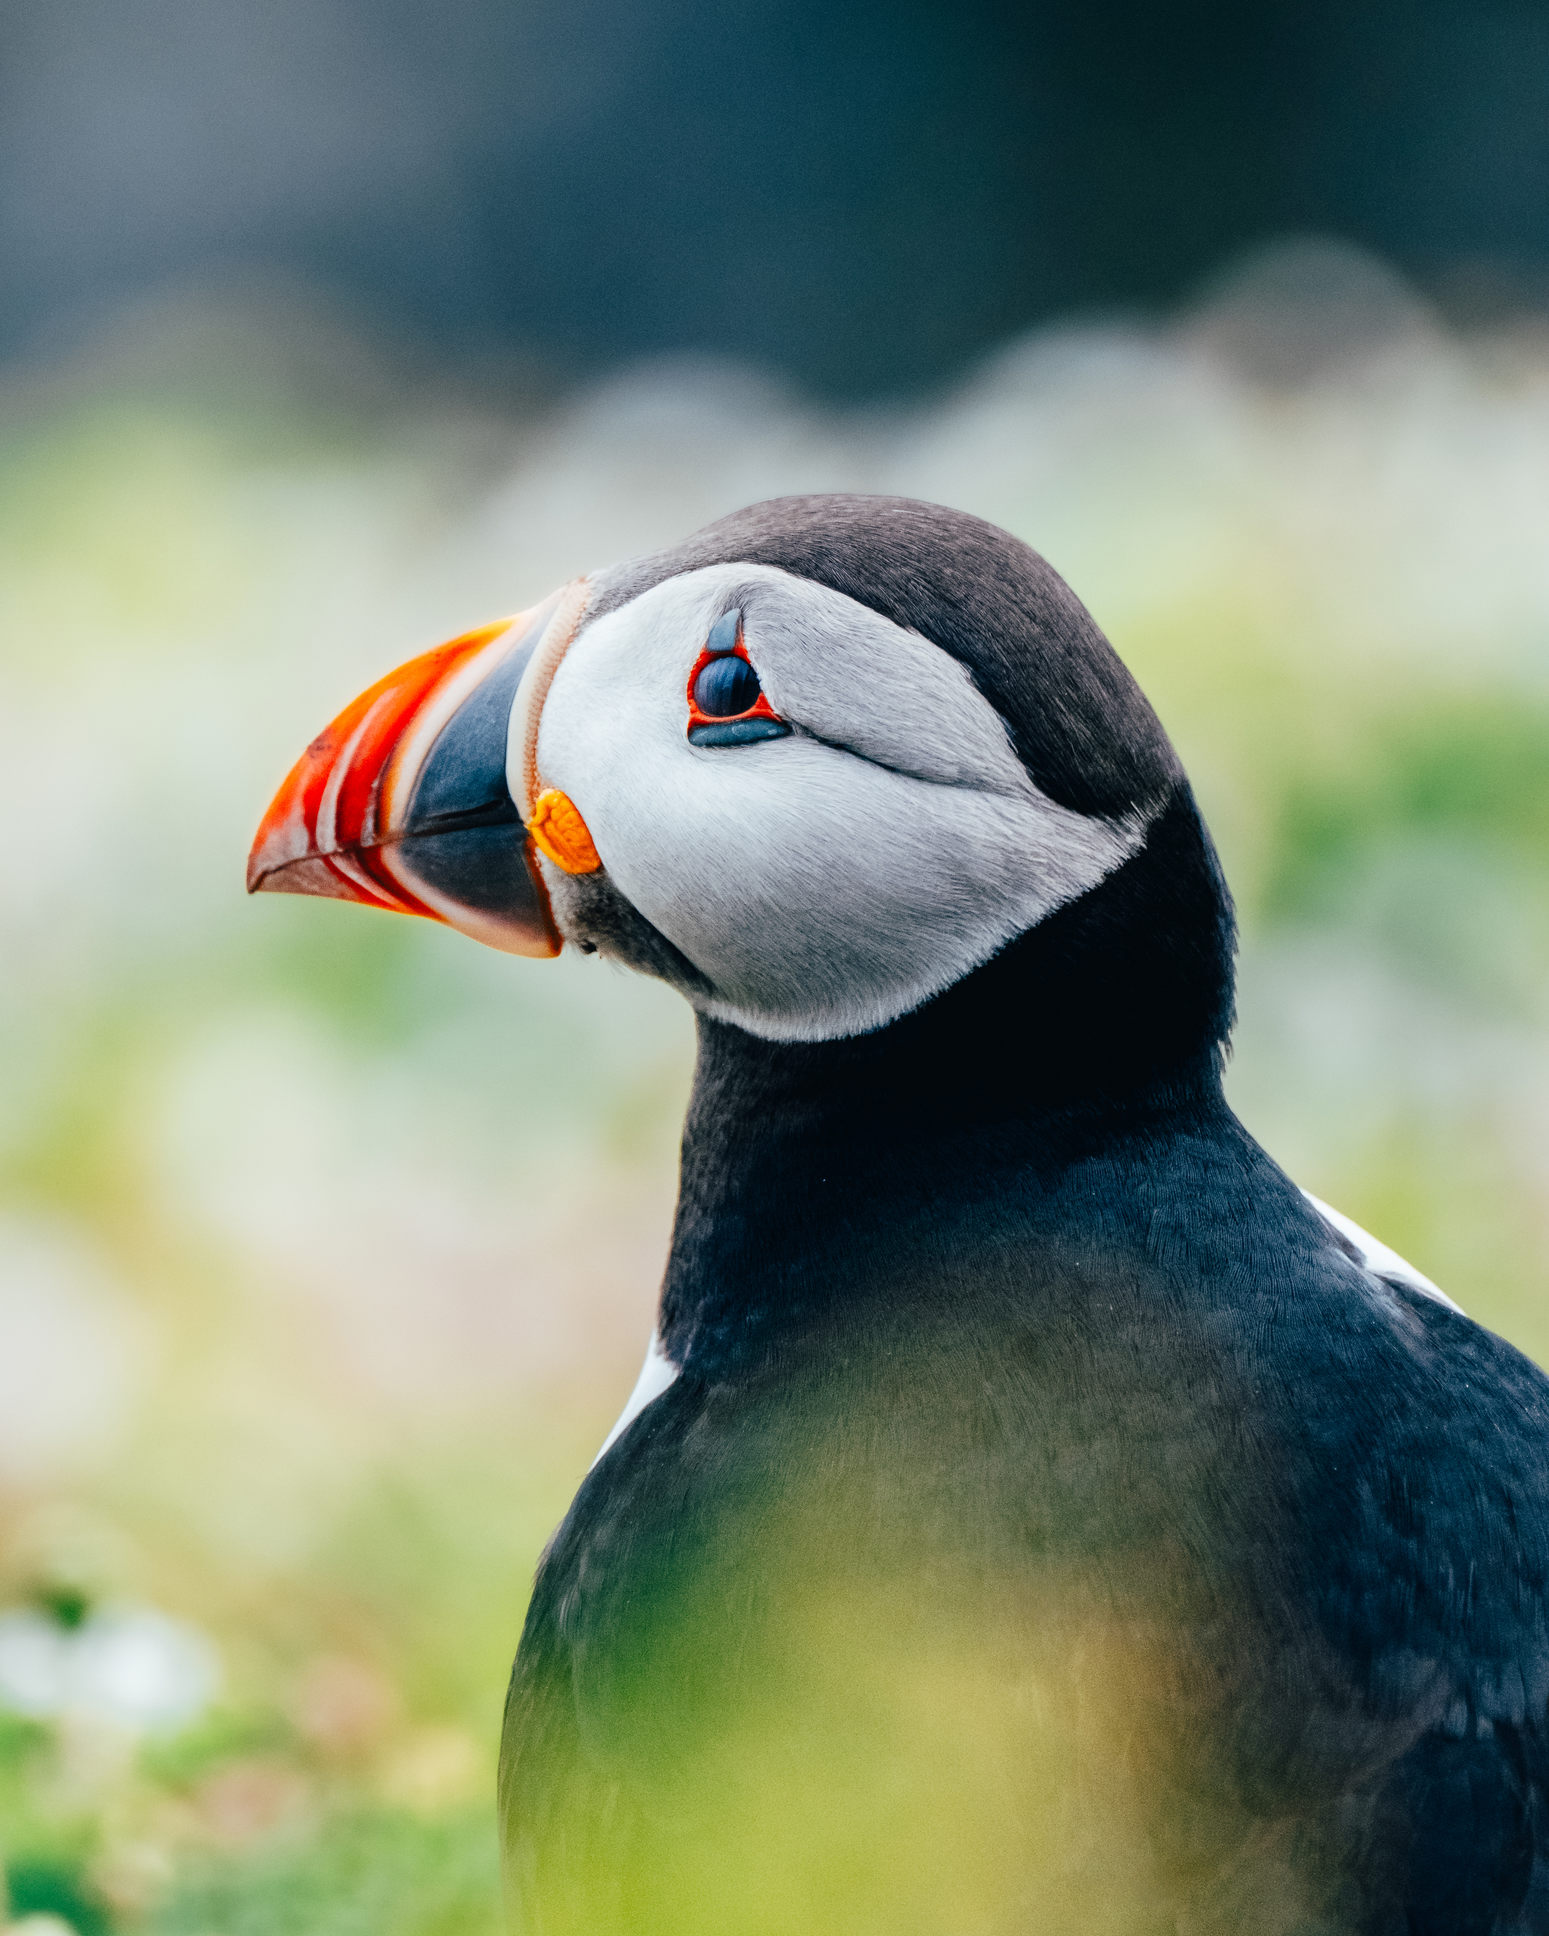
[1111, 1013]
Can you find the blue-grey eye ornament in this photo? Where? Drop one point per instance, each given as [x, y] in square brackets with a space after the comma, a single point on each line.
[726, 703]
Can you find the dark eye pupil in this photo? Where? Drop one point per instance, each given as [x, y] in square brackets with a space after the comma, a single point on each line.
[725, 688]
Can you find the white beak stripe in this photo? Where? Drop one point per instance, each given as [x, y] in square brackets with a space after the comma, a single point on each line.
[527, 711]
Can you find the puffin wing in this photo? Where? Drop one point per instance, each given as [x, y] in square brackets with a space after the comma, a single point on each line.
[1376, 1257]
[1439, 1604]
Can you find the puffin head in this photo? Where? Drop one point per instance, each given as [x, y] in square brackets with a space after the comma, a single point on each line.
[815, 766]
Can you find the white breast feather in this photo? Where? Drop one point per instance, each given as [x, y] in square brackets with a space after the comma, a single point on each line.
[656, 1374]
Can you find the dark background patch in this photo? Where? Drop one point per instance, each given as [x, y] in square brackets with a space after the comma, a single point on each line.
[864, 195]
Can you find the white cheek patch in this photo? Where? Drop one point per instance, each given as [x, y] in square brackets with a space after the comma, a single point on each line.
[825, 883]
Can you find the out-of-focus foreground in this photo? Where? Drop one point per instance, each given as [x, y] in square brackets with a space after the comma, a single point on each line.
[330, 1240]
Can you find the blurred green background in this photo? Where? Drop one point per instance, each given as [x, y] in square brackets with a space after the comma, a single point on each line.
[329, 1242]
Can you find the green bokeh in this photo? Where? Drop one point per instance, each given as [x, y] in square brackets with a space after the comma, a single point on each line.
[353, 1229]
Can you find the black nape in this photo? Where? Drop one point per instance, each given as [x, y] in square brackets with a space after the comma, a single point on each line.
[1128, 987]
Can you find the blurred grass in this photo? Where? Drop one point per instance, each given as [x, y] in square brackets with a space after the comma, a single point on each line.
[328, 1243]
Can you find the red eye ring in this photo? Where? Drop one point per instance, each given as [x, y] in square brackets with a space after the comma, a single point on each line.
[698, 719]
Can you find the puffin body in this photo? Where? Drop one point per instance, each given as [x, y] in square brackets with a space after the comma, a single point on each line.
[1036, 1513]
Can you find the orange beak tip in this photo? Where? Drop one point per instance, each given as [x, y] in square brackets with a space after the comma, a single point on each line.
[373, 813]
[310, 875]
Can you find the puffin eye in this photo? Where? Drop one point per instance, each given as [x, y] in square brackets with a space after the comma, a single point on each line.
[726, 687]
[726, 703]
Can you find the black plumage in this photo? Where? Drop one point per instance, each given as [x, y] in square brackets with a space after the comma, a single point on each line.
[1052, 1526]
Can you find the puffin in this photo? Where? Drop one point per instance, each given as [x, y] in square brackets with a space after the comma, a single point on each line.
[1036, 1513]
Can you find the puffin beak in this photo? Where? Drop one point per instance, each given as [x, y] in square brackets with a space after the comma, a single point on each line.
[404, 803]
